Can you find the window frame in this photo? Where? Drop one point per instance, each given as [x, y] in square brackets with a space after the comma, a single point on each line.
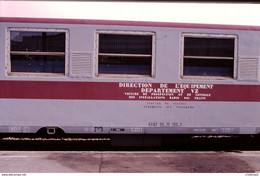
[205, 35]
[37, 74]
[115, 32]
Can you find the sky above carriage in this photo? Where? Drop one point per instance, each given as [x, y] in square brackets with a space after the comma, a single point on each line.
[210, 13]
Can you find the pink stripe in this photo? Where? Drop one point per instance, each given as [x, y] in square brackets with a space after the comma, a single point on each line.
[128, 23]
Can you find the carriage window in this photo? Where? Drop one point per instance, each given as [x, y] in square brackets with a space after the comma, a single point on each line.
[125, 54]
[211, 56]
[37, 52]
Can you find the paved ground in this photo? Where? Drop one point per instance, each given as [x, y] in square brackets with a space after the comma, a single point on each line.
[128, 162]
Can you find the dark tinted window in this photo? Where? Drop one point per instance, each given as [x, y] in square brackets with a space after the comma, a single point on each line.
[38, 41]
[37, 64]
[125, 54]
[37, 52]
[125, 44]
[208, 67]
[208, 56]
[124, 65]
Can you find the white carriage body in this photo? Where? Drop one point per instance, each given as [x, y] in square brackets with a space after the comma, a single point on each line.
[167, 101]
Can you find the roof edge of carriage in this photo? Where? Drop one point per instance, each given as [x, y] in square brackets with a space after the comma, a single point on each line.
[128, 23]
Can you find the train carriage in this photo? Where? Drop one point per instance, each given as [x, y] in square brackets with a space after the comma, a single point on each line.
[132, 80]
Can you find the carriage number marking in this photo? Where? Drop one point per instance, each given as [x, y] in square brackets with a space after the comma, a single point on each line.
[165, 124]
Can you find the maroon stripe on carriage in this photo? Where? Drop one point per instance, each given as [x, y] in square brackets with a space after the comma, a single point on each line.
[128, 91]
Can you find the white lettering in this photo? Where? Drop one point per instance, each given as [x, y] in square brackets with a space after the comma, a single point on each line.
[135, 85]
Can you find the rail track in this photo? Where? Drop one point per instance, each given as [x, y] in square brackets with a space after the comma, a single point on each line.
[170, 143]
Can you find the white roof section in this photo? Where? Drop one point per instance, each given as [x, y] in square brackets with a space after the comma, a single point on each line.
[204, 13]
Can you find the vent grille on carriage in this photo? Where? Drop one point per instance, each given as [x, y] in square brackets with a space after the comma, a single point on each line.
[80, 65]
[248, 68]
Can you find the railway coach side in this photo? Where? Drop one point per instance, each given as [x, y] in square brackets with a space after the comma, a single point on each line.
[128, 79]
